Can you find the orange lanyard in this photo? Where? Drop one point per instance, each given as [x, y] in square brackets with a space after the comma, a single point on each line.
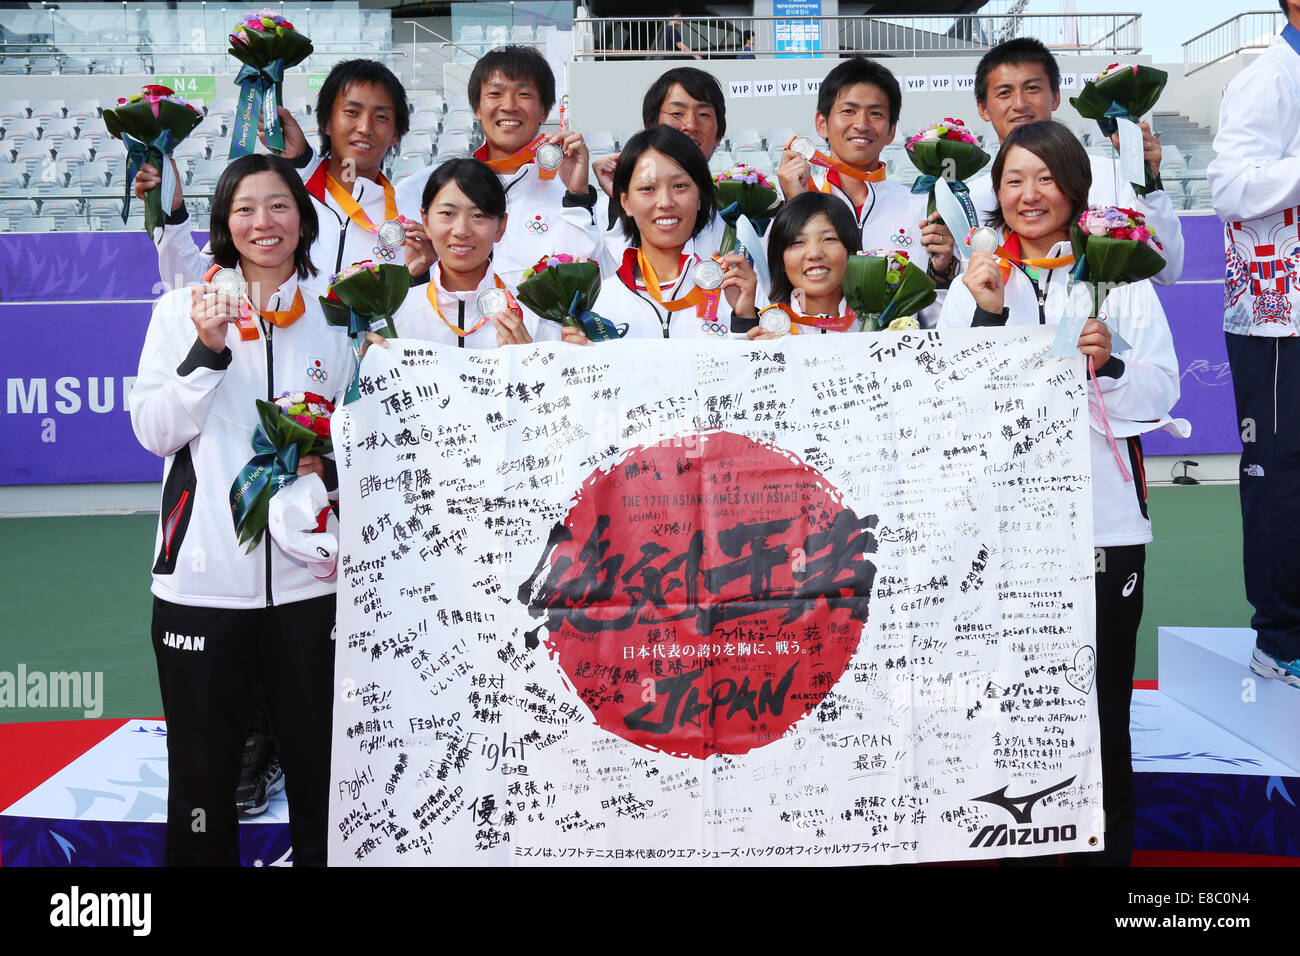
[833, 323]
[1009, 253]
[819, 158]
[706, 303]
[282, 320]
[512, 164]
[353, 209]
[432, 294]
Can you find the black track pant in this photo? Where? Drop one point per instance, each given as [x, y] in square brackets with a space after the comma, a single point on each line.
[1266, 384]
[209, 660]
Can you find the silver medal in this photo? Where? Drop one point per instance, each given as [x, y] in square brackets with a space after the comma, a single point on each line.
[492, 301]
[549, 156]
[227, 282]
[803, 146]
[985, 239]
[774, 321]
[391, 234]
[707, 275]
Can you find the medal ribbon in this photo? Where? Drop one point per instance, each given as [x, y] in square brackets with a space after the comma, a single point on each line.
[259, 95]
[512, 164]
[819, 158]
[833, 323]
[247, 327]
[353, 208]
[282, 320]
[705, 302]
[432, 294]
[1009, 253]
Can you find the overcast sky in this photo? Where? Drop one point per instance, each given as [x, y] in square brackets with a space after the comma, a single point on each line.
[1166, 24]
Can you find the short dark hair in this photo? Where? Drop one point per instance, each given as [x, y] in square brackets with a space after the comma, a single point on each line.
[794, 215]
[1055, 145]
[474, 178]
[851, 72]
[365, 72]
[220, 240]
[514, 63]
[697, 84]
[678, 147]
[1013, 53]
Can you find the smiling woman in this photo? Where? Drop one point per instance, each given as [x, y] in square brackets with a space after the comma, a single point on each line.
[248, 617]
[662, 286]
[1042, 176]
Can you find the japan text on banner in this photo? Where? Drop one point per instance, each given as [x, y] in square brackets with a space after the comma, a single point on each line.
[664, 602]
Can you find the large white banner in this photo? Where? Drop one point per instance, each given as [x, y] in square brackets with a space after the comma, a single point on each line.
[821, 600]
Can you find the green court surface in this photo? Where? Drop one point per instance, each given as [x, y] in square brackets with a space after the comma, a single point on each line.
[76, 593]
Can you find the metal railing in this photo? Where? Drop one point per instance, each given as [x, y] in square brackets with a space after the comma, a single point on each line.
[1246, 31]
[167, 59]
[724, 37]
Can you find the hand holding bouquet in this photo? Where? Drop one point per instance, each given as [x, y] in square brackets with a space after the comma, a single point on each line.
[362, 298]
[267, 44]
[1122, 91]
[950, 151]
[563, 288]
[744, 191]
[150, 125]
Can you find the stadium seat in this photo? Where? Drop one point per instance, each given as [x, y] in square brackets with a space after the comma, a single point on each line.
[12, 178]
[600, 143]
[20, 131]
[746, 139]
[31, 154]
[427, 120]
[17, 208]
[458, 121]
[418, 145]
[32, 224]
[74, 67]
[13, 66]
[521, 33]
[430, 101]
[60, 208]
[720, 161]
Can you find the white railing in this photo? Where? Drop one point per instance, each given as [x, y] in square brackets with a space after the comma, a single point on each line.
[1246, 31]
[724, 37]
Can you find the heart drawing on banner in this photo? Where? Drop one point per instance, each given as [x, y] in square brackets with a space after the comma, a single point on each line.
[1085, 666]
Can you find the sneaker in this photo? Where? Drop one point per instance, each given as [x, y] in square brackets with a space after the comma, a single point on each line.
[1266, 665]
[273, 777]
[250, 794]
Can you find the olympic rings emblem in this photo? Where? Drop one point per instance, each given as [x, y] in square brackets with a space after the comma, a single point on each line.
[537, 227]
[901, 239]
[714, 328]
[317, 375]
[383, 252]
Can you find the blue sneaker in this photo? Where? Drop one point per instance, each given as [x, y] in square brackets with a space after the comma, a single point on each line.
[1266, 665]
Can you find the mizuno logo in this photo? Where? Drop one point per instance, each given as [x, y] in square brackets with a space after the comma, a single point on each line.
[1020, 808]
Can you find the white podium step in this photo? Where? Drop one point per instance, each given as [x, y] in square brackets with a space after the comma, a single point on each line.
[1207, 669]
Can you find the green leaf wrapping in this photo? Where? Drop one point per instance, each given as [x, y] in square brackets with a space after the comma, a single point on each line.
[867, 292]
[260, 47]
[1136, 92]
[756, 203]
[947, 159]
[375, 293]
[137, 120]
[550, 292]
[1101, 261]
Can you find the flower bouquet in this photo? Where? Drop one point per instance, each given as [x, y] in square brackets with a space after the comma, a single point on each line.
[563, 288]
[744, 191]
[1113, 246]
[951, 151]
[1123, 90]
[294, 425]
[362, 298]
[150, 125]
[267, 44]
[885, 290]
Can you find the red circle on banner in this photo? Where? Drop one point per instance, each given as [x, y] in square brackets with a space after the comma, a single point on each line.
[705, 593]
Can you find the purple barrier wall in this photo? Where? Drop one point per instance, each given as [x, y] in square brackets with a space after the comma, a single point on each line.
[75, 307]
